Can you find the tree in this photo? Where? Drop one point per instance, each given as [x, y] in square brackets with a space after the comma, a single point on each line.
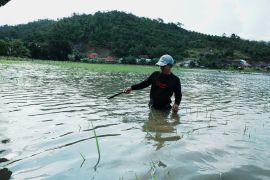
[3, 48]
[179, 24]
[129, 60]
[160, 20]
[122, 35]
[59, 50]
[234, 36]
[17, 48]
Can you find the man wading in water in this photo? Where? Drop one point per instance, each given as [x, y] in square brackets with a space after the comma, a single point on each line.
[163, 84]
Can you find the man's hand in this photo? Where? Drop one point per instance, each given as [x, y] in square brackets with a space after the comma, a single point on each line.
[175, 108]
[127, 90]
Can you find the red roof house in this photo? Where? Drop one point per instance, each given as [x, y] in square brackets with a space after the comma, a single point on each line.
[92, 55]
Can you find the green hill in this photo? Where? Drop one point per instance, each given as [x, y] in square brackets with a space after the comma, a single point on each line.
[120, 35]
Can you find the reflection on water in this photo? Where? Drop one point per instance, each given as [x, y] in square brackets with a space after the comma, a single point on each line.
[161, 127]
[221, 131]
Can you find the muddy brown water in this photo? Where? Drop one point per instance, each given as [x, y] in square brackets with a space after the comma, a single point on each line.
[221, 132]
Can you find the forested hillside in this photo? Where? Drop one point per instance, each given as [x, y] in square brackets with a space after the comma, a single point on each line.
[123, 35]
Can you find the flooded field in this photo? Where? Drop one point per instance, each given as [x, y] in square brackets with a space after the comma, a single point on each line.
[47, 113]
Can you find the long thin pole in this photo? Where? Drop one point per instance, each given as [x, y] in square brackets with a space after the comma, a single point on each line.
[115, 95]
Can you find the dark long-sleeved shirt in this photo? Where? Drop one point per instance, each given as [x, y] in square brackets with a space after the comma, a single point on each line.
[162, 88]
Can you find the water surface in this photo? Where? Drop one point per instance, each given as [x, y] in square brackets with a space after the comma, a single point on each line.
[221, 131]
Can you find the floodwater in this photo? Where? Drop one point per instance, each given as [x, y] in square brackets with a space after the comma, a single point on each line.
[47, 112]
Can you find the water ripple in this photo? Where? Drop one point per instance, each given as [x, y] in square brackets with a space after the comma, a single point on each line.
[45, 112]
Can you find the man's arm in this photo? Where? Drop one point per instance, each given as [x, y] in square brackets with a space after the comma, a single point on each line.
[178, 92]
[141, 85]
[178, 96]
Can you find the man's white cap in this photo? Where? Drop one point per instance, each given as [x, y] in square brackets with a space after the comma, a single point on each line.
[165, 60]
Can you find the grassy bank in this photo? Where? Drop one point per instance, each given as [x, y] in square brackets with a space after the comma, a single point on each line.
[107, 67]
[86, 66]
[101, 67]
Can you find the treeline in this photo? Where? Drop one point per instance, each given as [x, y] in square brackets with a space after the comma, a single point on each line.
[123, 35]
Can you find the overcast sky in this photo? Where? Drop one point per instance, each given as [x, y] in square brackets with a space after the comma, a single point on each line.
[250, 19]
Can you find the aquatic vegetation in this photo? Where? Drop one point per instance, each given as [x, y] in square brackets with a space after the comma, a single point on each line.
[153, 170]
[136, 177]
[245, 129]
[80, 128]
[98, 148]
[83, 159]
[211, 115]
[97, 144]
[82, 156]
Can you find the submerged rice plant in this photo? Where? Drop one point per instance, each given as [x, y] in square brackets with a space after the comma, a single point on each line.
[98, 148]
[83, 159]
[153, 170]
[136, 177]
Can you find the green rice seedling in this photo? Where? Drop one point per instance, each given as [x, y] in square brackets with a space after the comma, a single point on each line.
[245, 129]
[83, 159]
[153, 170]
[136, 177]
[98, 148]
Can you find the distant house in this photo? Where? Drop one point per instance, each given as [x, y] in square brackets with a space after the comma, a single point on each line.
[109, 59]
[243, 63]
[262, 65]
[189, 63]
[148, 60]
[92, 55]
[143, 60]
[239, 63]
